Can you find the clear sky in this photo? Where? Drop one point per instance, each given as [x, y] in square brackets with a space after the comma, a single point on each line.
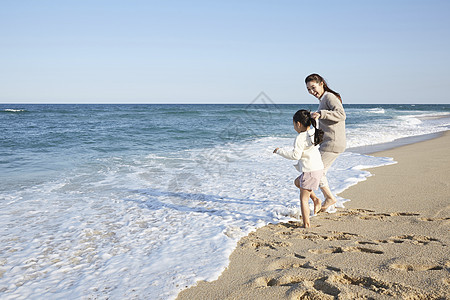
[135, 51]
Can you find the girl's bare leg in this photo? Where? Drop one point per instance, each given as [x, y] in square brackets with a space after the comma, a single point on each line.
[297, 183]
[304, 206]
[317, 202]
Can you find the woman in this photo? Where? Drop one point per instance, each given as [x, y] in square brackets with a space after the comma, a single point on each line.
[331, 117]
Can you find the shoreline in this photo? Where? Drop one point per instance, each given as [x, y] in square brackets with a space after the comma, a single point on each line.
[390, 241]
[375, 148]
[408, 157]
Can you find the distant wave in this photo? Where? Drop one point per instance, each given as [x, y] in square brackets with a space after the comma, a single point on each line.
[376, 111]
[13, 110]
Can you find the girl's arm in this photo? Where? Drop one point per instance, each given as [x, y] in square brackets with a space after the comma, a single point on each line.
[293, 154]
[335, 112]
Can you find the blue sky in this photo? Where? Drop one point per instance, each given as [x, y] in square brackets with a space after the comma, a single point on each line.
[107, 51]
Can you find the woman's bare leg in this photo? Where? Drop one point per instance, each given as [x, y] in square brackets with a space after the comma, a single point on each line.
[328, 159]
[329, 198]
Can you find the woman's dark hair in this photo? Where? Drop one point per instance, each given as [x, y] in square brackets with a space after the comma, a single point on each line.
[304, 117]
[317, 78]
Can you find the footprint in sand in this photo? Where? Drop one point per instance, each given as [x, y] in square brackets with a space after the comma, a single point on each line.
[369, 283]
[407, 267]
[312, 236]
[266, 245]
[415, 239]
[365, 243]
[382, 216]
[299, 256]
[355, 212]
[390, 241]
[336, 286]
[434, 219]
[345, 249]
[264, 248]
[366, 214]
[293, 263]
[287, 264]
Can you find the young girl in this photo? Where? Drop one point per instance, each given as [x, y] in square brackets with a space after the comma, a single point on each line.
[310, 163]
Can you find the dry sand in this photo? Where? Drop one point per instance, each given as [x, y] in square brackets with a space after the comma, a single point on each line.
[390, 242]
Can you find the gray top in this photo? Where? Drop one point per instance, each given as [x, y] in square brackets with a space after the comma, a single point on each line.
[332, 122]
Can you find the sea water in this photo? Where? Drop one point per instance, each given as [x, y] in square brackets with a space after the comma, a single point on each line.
[142, 201]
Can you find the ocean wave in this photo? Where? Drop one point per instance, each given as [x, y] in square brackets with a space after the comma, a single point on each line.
[408, 121]
[376, 110]
[433, 116]
[12, 110]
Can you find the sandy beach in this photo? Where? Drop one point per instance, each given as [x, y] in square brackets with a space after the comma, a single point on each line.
[390, 242]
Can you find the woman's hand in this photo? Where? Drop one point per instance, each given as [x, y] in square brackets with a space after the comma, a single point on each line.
[275, 151]
[315, 115]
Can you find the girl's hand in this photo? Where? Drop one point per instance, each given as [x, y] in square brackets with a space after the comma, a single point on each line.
[315, 115]
[275, 151]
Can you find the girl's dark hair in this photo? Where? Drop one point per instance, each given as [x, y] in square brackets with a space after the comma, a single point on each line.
[317, 78]
[304, 117]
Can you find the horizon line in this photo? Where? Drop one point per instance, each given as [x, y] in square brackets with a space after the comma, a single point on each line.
[201, 103]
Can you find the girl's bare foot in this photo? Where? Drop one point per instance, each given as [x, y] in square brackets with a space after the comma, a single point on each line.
[306, 225]
[327, 203]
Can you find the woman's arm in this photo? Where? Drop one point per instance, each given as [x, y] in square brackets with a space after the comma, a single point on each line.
[335, 111]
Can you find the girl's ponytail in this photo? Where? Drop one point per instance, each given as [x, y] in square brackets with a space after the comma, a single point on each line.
[304, 117]
[318, 133]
